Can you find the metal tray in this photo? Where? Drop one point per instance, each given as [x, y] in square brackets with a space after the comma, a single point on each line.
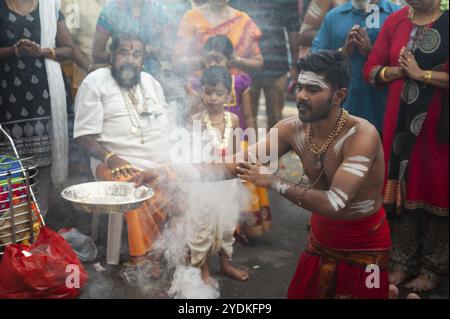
[107, 197]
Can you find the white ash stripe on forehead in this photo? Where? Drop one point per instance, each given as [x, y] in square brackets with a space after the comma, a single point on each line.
[311, 78]
[341, 142]
[359, 159]
[335, 200]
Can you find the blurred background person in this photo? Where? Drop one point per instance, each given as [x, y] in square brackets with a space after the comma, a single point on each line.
[315, 13]
[147, 18]
[33, 98]
[348, 28]
[81, 19]
[275, 19]
[410, 56]
[217, 17]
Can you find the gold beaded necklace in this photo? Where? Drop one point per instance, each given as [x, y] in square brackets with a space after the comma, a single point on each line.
[319, 151]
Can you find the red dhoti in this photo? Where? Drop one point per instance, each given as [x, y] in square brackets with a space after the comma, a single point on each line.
[335, 263]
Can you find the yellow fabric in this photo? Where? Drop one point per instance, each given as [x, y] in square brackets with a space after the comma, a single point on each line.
[195, 30]
[81, 19]
[255, 217]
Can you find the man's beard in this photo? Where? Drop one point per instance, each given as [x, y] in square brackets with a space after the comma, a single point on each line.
[127, 76]
[320, 114]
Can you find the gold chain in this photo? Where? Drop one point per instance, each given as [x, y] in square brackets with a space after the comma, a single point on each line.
[319, 151]
[21, 12]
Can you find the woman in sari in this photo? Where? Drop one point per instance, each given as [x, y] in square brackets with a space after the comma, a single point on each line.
[214, 18]
[411, 57]
[33, 99]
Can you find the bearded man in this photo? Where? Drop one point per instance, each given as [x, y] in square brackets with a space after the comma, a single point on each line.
[348, 251]
[121, 120]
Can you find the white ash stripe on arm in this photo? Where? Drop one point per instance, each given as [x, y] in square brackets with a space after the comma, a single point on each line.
[314, 10]
[362, 159]
[306, 27]
[341, 142]
[335, 200]
[280, 187]
[356, 169]
[341, 193]
[363, 207]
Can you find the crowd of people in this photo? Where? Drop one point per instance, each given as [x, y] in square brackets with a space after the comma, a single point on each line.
[96, 87]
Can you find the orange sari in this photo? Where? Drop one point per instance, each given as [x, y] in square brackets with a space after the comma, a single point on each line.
[144, 224]
[195, 30]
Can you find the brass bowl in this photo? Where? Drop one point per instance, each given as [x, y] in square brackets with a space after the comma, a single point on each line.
[107, 197]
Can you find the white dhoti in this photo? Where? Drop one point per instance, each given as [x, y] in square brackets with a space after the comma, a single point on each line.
[212, 217]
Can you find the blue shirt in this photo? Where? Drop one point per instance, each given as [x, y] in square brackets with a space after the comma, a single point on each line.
[364, 100]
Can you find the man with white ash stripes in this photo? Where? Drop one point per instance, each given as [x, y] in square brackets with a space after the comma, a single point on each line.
[348, 251]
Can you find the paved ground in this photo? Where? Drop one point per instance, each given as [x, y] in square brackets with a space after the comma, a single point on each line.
[271, 259]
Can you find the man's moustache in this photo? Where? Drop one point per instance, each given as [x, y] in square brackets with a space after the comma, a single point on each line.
[128, 66]
[303, 106]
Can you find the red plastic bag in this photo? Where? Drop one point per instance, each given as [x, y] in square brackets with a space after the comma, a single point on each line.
[47, 269]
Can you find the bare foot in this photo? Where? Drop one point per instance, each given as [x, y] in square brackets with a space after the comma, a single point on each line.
[393, 292]
[396, 278]
[413, 296]
[231, 271]
[421, 283]
[207, 278]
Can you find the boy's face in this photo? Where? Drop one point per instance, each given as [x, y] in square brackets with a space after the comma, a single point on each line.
[215, 58]
[214, 97]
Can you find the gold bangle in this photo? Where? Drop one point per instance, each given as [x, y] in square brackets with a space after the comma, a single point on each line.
[52, 54]
[428, 75]
[383, 74]
[107, 157]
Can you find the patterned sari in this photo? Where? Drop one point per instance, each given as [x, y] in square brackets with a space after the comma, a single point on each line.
[417, 176]
[195, 30]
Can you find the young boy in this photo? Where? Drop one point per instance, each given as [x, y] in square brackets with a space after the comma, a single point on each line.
[213, 212]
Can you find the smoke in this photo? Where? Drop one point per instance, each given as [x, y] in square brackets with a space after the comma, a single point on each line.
[201, 224]
[198, 207]
[188, 284]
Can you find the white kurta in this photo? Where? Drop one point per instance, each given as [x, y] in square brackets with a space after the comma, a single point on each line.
[100, 110]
